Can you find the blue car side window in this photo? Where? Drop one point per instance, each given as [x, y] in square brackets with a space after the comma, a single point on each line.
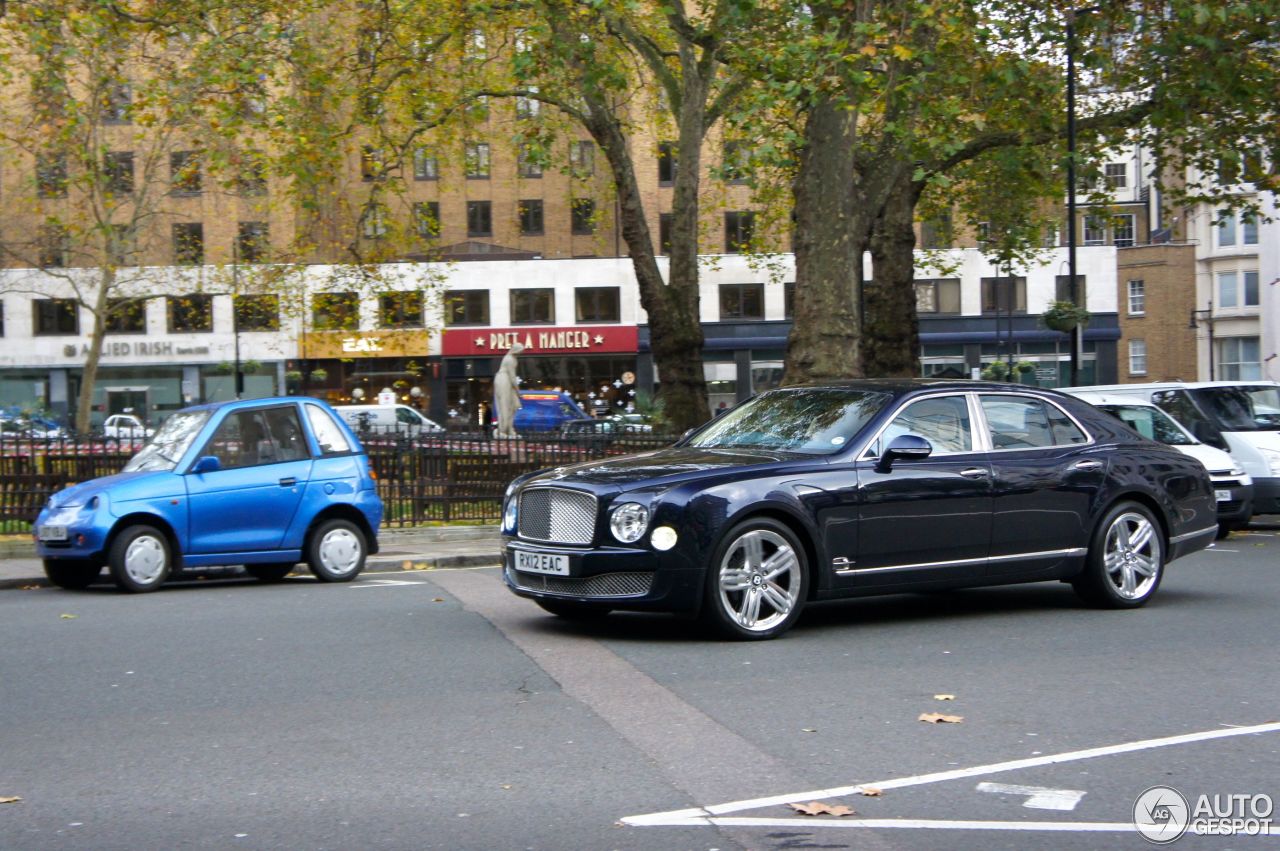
[329, 436]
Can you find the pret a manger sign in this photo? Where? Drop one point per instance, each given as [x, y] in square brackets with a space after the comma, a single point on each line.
[579, 339]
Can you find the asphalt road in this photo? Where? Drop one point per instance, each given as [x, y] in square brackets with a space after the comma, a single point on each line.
[435, 710]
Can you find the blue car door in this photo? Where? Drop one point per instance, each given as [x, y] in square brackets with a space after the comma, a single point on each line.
[264, 466]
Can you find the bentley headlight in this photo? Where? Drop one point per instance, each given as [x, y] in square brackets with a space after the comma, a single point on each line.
[629, 522]
[509, 513]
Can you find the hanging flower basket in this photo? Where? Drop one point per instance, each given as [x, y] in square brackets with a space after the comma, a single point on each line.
[1064, 316]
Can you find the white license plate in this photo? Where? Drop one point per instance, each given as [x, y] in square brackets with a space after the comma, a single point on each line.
[542, 563]
[52, 533]
[1222, 496]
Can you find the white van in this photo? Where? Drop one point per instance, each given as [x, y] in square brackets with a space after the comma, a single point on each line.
[1232, 486]
[392, 420]
[1241, 417]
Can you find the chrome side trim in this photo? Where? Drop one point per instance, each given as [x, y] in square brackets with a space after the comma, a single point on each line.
[1186, 536]
[929, 565]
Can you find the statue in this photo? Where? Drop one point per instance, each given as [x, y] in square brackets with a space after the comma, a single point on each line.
[506, 392]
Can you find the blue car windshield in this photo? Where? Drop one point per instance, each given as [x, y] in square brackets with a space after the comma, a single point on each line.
[807, 420]
[170, 442]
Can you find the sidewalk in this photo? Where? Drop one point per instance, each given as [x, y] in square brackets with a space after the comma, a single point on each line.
[431, 548]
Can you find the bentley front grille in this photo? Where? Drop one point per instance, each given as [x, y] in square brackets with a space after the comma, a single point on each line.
[601, 585]
[557, 515]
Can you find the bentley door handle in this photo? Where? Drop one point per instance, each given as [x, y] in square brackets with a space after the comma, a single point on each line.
[1086, 466]
[975, 473]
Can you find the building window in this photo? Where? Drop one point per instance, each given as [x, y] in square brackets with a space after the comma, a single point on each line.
[190, 313]
[184, 173]
[1137, 357]
[531, 217]
[936, 233]
[739, 228]
[55, 246]
[938, 295]
[665, 221]
[527, 163]
[257, 312]
[479, 218]
[741, 301]
[51, 175]
[596, 304]
[1226, 228]
[373, 221]
[1117, 175]
[117, 172]
[188, 243]
[477, 160]
[126, 316]
[426, 219]
[1122, 230]
[1232, 295]
[1062, 289]
[1, 318]
[466, 307]
[1239, 359]
[1004, 295]
[666, 163]
[119, 98]
[533, 307]
[582, 215]
[55, 316]
[252, 177]
[400, 310]
[373, 165]
[526, 107]
[1137, 298]
[335, 311]
[425, 164]
[582, 158]
[789, 300]
[253, 242]
[736, 162]
[1095, 230]
[1248, 229]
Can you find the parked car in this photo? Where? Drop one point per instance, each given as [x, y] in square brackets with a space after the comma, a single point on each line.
[870, 487]
[265, 483]
[125, 427]
[387, 420]
[39, 428]
[633, 423]
[547, 411]
[1238, 417]
[1232, 486]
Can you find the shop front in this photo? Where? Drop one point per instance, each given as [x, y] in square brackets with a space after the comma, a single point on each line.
[351, 367]
[594, 363]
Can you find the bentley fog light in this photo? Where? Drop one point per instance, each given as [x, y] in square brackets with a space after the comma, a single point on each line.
[629, 522]
[663, 538]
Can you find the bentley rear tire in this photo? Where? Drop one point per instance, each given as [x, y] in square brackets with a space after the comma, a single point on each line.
[1126, 559]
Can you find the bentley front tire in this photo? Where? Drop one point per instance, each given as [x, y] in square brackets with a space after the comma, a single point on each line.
[757, 583]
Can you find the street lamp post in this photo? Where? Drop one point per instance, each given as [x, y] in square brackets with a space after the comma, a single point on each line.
[1206, 316]
[235, 320]
[1072, 290]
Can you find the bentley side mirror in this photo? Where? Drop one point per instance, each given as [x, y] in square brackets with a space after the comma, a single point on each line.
[206, 464]
[904, 447]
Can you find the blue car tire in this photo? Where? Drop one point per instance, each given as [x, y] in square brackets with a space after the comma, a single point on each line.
[268, 572]
[140, 559]
[73, 574]
[336, 551]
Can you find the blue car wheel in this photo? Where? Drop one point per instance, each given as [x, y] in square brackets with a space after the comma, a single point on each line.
[336, 551]
[140, 559]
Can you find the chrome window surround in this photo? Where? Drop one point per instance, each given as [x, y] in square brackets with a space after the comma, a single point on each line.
[986, 427]
[869, 451]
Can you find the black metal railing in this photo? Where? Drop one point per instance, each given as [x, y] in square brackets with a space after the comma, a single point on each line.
[422, 478]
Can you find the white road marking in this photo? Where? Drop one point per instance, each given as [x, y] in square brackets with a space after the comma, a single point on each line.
[713, 814]
[384, 583]
[1220, 550]
[1038, 797]
[928, 824]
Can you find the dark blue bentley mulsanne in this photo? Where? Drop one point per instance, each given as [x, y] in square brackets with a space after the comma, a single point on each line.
[859, 488]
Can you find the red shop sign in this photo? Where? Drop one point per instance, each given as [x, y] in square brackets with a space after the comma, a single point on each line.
[576, 339]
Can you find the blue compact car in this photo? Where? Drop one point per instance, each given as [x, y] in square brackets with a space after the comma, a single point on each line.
[265, 483]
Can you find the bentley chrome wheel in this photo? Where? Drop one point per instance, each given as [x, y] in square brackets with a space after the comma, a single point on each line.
[760, 580]
[1132, 556]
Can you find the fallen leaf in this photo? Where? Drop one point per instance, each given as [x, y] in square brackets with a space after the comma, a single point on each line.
[870, 791]
[936, 718]
[29, 587]
[506, 785]
[68, 617]
[437, 599]
[808, 729]
[944, 697]
[818, 808]
[406, 565]
[11, 799]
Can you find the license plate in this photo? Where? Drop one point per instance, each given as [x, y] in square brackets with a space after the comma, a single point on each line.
[542, 563]
[52, 533]
[1222, 496]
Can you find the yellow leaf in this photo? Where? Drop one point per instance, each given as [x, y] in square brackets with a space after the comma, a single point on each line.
[818, 808]
[437, 599]
[11, 799]
[901, 51]
[68, 617]
[406, 565]
[944, 697]
[936, 718]
[868, 50]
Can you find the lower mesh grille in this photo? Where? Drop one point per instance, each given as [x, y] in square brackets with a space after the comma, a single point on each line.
[601, 585]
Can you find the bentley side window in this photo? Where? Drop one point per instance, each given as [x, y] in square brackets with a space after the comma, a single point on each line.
[1024, 423]
[943, 421]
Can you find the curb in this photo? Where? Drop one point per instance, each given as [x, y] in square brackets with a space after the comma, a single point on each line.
[419, 565]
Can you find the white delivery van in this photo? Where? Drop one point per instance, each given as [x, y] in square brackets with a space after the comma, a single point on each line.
[1232, 486]
[386, 420]
[1240, 417]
